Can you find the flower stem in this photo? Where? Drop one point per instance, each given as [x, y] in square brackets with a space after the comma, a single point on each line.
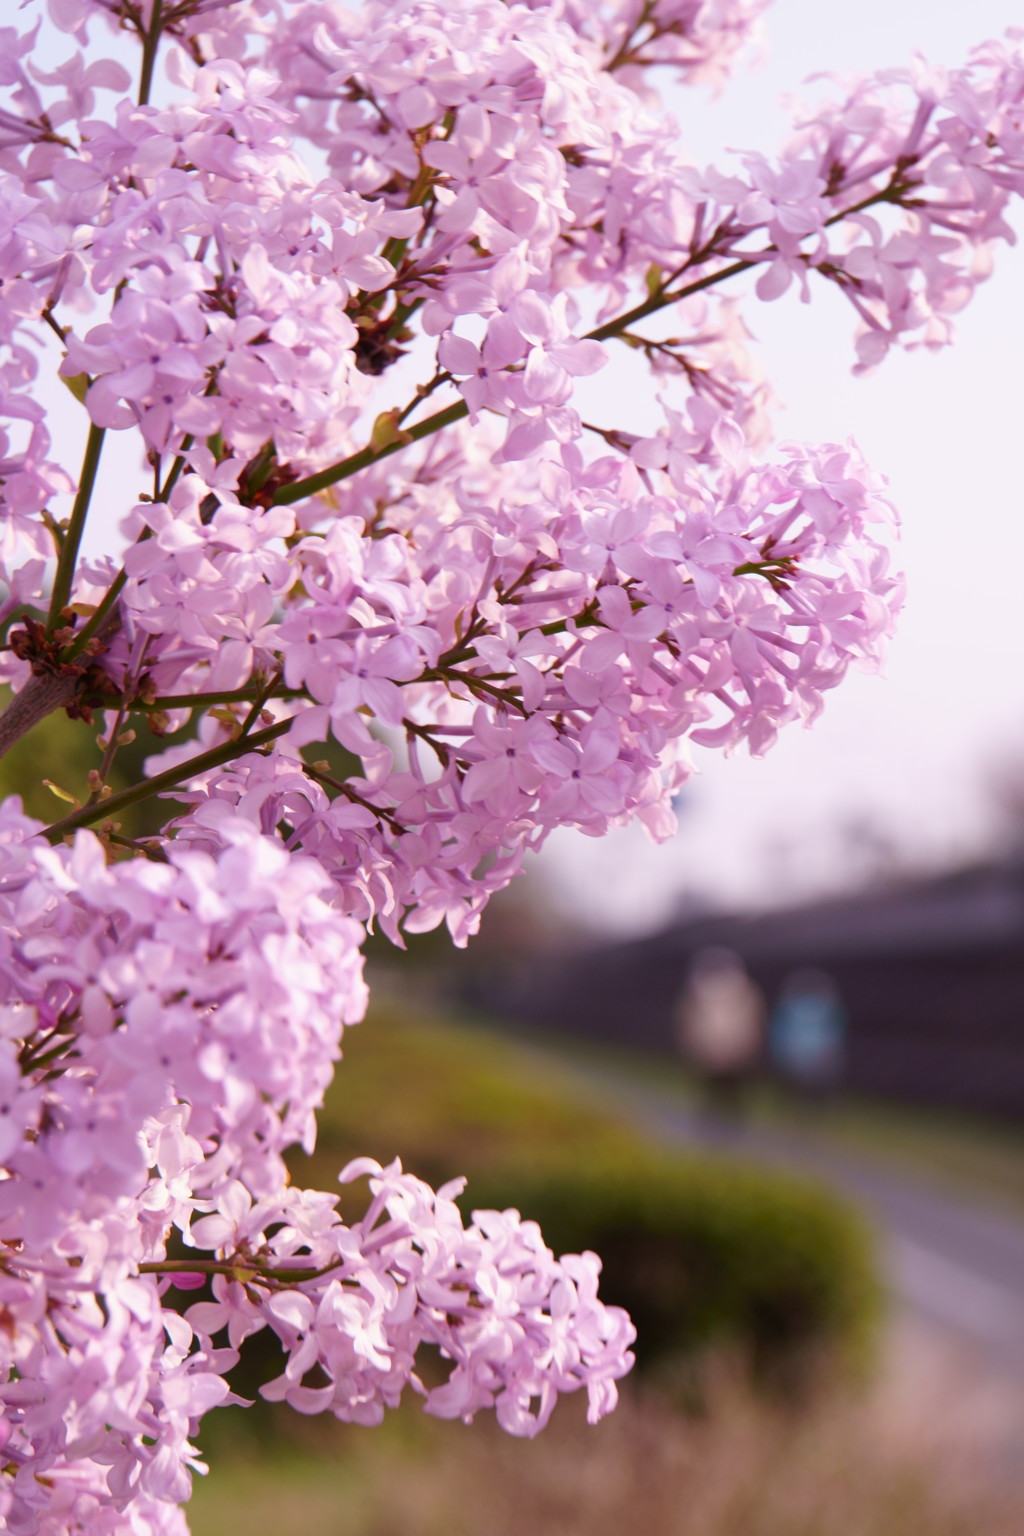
[313, 484]
[169, 779]
[246, 1271]
[76, 527]
[95, 619]
[150, 44]
[243, 695]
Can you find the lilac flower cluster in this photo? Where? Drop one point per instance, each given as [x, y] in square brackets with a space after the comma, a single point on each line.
[500, 615]
[166, 1030]
[530, 662]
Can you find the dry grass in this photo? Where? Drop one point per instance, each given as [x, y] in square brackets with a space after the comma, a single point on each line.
[887, 1465]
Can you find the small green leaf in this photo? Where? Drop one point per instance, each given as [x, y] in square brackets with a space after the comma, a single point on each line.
[387, 433]
[78, 384]
[62, 794]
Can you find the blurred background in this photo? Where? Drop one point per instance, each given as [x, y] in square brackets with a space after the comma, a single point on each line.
[773, 1071]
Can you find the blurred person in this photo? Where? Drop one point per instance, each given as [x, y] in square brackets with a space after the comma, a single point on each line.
[807, 1033]
[719, 1020]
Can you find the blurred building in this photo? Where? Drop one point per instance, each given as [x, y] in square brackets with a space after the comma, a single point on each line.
[931, 977]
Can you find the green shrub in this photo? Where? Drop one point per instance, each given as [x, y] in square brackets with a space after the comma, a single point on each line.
[707, 1253]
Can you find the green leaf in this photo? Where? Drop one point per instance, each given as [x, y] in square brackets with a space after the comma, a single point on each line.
[62, 794]
[78, 384]
[386, 432]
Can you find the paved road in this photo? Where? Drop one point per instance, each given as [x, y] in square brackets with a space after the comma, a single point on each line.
[957, 1263]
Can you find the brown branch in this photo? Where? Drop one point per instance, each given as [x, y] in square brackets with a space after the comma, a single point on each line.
[39, 698]
[52, 686]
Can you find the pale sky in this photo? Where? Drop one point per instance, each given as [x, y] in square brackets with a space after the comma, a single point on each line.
[908, 756]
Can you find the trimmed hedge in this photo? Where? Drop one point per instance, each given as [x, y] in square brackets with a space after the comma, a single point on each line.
[711, 1254]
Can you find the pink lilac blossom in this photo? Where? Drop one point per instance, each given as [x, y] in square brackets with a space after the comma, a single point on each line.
[509, 619]
[167, 1029]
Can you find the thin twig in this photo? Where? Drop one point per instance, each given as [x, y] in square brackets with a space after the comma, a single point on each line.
[169, 779]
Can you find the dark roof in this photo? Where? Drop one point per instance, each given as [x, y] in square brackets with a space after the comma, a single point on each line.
[975, 909]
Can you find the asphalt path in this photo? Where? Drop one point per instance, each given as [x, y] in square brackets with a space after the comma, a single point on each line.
[949, 1258]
